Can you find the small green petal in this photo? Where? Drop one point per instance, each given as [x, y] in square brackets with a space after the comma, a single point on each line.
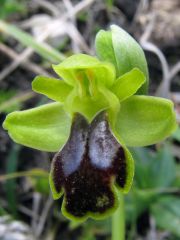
[53, 88]
[45, 128]
[128, 84]
[81, 69]
[144, 120]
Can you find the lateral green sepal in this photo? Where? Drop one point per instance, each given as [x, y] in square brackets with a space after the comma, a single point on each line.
[145, 120]
[44, 128]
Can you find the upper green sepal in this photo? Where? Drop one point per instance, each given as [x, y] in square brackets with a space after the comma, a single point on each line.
[119, 48]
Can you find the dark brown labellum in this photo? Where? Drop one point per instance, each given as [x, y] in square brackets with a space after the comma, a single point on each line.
[86, 167]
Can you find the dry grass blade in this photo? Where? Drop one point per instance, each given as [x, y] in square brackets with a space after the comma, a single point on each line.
[31, 173]
[163, 90]
[26, 64]
[168, 74]
[17, 99]
[40, 41]
[43, 217]
[38, 45]
[35, 210]
[174, 70]
[48, 6]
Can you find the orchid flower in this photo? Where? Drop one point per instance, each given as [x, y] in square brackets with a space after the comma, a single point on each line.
[100, 110]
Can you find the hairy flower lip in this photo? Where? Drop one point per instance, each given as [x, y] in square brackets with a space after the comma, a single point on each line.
[86, 168]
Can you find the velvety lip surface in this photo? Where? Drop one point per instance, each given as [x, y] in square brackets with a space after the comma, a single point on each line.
[87, 166]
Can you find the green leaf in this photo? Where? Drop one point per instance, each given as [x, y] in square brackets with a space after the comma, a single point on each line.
[45, 128]
[41, 184]
[53, 88]
[163, 168]
[145, 120]
[144, 160]
[154, 170]
[176, 134]
[136, 204]
[14, 102]
[119, 48]
[81, 69]
[128, 84]
[6, 96]
[10, 7]
[176, 182]
[167, 214]
[11, 184]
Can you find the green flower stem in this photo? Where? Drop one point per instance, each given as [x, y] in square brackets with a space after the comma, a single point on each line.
[118, 221]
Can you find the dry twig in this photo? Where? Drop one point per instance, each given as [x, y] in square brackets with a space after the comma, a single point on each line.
[51, 28]
[26, 64]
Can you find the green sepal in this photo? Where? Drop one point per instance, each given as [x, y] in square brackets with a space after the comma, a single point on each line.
[128, 84]
[53, 88]
[85, 71]
[44, 128]
[119, 48]
[145, 120]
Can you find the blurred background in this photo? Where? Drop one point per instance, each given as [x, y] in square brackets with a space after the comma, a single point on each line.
[33, 35]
